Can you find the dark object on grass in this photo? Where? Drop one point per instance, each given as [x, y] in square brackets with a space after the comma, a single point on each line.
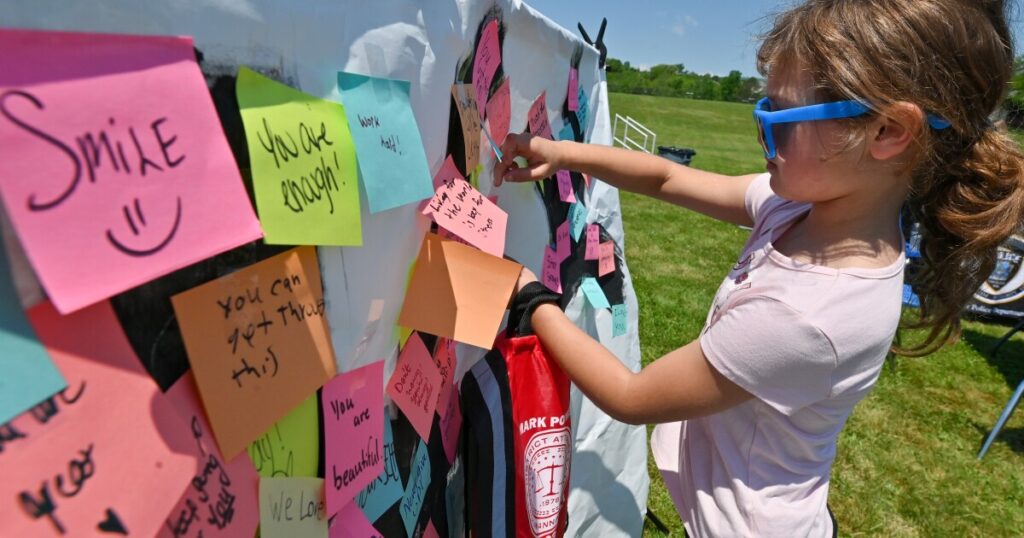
[680, 155]
[598, 44]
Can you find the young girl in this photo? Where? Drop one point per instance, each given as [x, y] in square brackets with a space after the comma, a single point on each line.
[872, 104]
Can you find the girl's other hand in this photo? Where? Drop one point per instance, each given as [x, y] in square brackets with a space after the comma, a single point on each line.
[543, 155]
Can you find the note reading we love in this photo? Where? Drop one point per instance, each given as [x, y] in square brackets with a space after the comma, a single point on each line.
[353, 406]
[254, 333]
[112, 145]
[462, 210]
[392, 164]
[108, 454]
[303, 164]
[293, 507]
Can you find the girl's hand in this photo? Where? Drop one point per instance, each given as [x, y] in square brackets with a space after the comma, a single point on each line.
[544, 157]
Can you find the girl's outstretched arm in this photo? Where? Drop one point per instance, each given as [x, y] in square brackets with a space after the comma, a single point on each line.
[715, 195]
[678, 386]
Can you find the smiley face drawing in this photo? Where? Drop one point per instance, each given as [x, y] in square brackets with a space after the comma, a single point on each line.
[135, 229]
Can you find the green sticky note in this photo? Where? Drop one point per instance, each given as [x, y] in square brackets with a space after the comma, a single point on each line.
[594, 293]
[292, 446]
[303, 163]
[618, 320]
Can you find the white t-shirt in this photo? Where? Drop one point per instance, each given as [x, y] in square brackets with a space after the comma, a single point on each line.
[808, 342]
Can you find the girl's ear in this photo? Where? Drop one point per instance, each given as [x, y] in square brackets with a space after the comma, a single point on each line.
[889, 135]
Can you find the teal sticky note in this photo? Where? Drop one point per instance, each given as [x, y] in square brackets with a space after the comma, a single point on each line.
[27, 374]
[389, 150]
[618, 320]
[386, 489]
[594, 293]
[581, 112]
[566, 133]
[578, 218]
[419, 479]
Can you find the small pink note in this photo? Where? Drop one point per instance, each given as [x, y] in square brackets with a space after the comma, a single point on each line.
[462, 210]
[430, 531]
[350, 522]
[441, 231]
[415, 384]
[551, 273]
[606, 258]
[353, 414]
[593, 240]
[448, 171]
[565, 192]
[444, 358]
[499, 112]
[538, 118]
[451, 424]
[574, 88]
[485, 63]
[562, 244]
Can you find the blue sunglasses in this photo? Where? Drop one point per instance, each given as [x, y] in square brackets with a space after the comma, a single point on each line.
[765, 118]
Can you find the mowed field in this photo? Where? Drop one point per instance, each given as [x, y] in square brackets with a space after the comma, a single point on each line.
[906, 462]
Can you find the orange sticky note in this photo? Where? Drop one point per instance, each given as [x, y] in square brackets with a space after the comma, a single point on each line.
[108, 453]
[469, 116]
[458, 292]
[258, 344]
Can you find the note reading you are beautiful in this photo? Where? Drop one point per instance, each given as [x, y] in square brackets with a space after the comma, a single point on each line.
[353, 405]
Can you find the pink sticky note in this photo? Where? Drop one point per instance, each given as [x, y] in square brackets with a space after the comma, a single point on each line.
[565, 192]
[593, 240]
[111, 437]
[447, 171]
[574, 88]
[116, 170]
[538, 117]
[444, 358]
[441, 231]
[606, 258]
[551, 275]
[499, 112]
[350, 522]
[562, 245]
[430, 531]
[485, 63]
[224, 498]
[353, 414]
[462, 210]
[415, 384]
[451, 424]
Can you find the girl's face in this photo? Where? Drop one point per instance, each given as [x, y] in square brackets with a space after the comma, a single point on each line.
[812, 163]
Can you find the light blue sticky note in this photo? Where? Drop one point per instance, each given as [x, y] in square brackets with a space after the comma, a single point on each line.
[618, 320]
[581, 111]
[27, 374]
[386, 490]
[494, 147]
[566, 132]
[389, 150]
[419, 479]
[594, 293]
[578, 218]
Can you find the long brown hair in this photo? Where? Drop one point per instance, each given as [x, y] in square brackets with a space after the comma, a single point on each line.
[953, 58]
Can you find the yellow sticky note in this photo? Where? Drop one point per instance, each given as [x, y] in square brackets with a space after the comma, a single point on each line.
[291, 447]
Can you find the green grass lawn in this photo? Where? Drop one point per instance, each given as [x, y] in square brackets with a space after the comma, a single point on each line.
[906, 461]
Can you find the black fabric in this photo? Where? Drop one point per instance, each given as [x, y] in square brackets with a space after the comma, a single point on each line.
[525, 302]
[835, 525]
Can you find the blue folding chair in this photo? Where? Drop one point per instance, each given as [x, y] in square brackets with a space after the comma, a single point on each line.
[1007, 411]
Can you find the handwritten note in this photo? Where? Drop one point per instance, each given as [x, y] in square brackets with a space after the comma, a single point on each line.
[499, 112]
[565, 192]
[606, 258]
[538, 117]
[353, 406]
[618, 320]
[72, 464]
[350, 522]
[577, 219]
[447, 362]
[293, 507]
[430, 531]
[419, 480]
[469, 116]
[574, 88]
[485, 63]
[116, 170]
[593, 241]
[29, 376]
[462, 210]
[594, 293]
[222, 499]
[581, 111]
[392, 164]
[451, 423]
[303, 164]
[291, 447]
[386, 489]
[415, 384]
[551, 273]
[458, 292]
[258, 331]
[563, 247]
[567, 133]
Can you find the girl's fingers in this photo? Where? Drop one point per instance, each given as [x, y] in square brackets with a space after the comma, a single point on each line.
[530, 173]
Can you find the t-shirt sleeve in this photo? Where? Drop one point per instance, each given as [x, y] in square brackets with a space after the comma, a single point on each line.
[772, 352]
[759, 192]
